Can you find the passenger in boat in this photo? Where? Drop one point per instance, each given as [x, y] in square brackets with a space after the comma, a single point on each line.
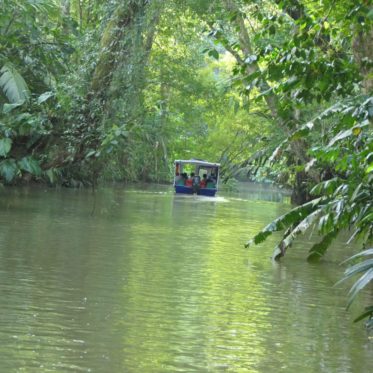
[189, 180]
[179, 180]
[203, 182]
[196, 183]
[211, 181]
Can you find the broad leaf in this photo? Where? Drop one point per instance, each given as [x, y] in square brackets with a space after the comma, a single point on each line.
[340, 136]
[30, 165]
[44, 97]
[5, 146]
[327, 186]
[8, 169]
[7, 108]
[347, 133]
[13, 84]
[52, 175]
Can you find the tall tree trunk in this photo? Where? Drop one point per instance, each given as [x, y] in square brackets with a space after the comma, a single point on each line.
[65, 7]
[245, 43]
[363, 52]
[65, 10]
[115, 95]
[80, 7]
[114, 44]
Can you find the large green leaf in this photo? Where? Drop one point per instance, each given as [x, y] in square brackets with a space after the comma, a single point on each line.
[13, 84]
[44, 97]
[5, 146]
[347, 133]
[30, 165]
[327, 186]
[8, 169]
[7, 108]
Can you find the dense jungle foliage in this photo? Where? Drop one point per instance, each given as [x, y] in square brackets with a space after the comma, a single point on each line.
[280, 90]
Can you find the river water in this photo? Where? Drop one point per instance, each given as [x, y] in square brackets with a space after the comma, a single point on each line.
[130, 280]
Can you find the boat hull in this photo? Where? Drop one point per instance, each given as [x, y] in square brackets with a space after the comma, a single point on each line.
[207, 192]
[201, 192]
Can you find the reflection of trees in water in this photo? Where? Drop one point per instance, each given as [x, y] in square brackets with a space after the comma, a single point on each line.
[310, 320]
[263, 192]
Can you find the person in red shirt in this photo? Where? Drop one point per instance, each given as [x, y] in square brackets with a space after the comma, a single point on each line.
[203, 182]
[189, 180]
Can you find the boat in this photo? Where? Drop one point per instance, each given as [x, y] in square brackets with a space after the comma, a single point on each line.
[196, 176]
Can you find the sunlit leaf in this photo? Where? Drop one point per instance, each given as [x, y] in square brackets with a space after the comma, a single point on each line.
[250, 59]
[44, 97]
[7, 108]
[13, 84]
[340, 136]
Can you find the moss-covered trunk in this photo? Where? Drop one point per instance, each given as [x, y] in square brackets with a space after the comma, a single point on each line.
[114, 99]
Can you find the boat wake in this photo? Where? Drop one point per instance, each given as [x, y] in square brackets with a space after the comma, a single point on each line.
[197, 198]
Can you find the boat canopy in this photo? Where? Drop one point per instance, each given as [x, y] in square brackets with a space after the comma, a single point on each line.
[198, 162]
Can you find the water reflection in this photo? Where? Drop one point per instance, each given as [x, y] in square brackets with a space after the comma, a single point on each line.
[260, 191]
[123, 280]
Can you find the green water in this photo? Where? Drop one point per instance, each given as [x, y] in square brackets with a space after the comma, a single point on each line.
[131, 280]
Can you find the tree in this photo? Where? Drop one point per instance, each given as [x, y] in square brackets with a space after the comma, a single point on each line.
[32, 59]
[103, 98]
[321, 64]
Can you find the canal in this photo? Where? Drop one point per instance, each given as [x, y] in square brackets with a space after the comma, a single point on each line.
[137, 279]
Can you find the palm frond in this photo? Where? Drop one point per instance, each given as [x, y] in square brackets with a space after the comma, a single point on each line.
[366, 252]
[295, 216]
[363, 281]
[319, 249]
[358, 268]
[304, 225]
[368, 312]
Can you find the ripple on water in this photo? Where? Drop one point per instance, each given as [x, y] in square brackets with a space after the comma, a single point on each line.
[152, 282]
